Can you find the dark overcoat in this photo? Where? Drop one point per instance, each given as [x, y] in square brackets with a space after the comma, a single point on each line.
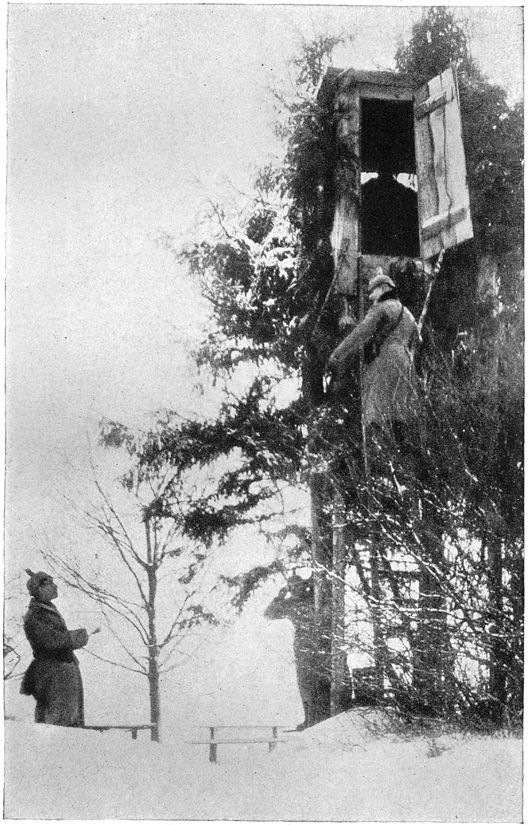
[389, 388]
[53, 677]
[296, 602]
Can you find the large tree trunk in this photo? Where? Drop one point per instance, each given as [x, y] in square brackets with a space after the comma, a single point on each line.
[376, 613]
[432, 656]
[340, 690]
[488, 297]
[322, 558]
[498, 666]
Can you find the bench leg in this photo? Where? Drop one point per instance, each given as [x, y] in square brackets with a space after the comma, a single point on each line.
[212, 752]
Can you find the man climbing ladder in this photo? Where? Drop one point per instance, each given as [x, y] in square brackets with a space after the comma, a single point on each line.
[386, 335]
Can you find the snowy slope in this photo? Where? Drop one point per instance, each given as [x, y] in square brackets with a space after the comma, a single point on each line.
[350, 768]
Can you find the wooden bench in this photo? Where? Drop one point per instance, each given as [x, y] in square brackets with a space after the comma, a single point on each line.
[270, 740]
[132, 728]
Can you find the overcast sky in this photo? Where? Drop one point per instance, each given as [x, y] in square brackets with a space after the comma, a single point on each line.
[122, 120]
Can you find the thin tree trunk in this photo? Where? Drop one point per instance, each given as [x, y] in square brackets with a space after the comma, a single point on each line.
[322, 538]
[340, 687]
[497, 671]
[153, 650]
[376, 614]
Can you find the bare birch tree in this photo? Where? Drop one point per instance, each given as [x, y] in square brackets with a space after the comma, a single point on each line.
[144, 544]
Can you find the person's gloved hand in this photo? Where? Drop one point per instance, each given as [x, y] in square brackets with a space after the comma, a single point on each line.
[79, 637]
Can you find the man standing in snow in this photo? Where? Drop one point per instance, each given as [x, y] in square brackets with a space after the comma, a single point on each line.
[386, 335]
[296, 602]
[53, 677]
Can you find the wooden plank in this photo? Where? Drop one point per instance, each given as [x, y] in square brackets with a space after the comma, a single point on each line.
[456, 166]
[345, 241]
[214, 743]
[345, 229]
[244, 727]
[438, 131]
[382, 85]
[430, 105]
[366, 90]
[132, 729]
[354, 77]
[118, 727]
[443, 195]
[238, 741]
[427, 194]
[437, 223]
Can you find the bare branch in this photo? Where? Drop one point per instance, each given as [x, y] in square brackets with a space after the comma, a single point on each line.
[116, 664]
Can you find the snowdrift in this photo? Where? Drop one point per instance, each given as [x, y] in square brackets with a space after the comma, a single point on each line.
[354, 767]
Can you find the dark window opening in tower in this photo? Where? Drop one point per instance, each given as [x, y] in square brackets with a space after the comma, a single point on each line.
[389, 209]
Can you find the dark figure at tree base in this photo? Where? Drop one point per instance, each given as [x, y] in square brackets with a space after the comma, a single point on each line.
[296, 602]
[53, 677]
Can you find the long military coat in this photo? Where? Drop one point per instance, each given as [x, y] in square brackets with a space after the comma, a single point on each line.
[296, 602]
[386, 334]
[53, 677]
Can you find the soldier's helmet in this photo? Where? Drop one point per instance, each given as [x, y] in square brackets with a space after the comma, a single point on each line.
[380, 280]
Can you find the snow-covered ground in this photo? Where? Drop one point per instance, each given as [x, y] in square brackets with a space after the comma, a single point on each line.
[350, 768]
